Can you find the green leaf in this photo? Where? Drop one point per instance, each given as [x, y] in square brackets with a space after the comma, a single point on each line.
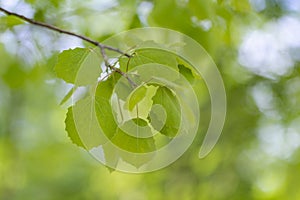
[186, 72]
[140, 122]
[130, 117]
[169, 113]
[133, 144]
[140, 101]
[82, 124]
[109, 125]
[71, 128]
[111, 129]
[169, 102]
[80, 66]
[103, 107]
[137, 96]
[145, 56]
[157, 117]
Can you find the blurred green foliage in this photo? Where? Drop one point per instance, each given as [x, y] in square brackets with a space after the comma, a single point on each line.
[257, 156]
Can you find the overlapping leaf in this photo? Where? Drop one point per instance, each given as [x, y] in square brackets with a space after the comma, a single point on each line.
[117, 113]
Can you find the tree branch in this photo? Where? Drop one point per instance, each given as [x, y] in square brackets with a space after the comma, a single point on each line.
[54, 28]
[102, 47]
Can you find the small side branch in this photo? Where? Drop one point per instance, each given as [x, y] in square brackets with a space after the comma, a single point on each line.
[113, 68]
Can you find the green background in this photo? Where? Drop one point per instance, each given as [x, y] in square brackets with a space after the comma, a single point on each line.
[256, 48]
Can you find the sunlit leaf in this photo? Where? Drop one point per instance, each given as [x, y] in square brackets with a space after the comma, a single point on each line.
[137, 96]
[80, 66]
[169, 102]
[111, 129]
[140, 101]
[145, 56]
[186, 72]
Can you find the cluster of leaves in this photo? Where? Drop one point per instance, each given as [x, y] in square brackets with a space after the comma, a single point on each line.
[135, 118]
[254, 169]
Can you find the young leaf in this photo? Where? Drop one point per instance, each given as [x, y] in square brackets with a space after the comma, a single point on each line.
[111, 129]
[137, 96]
[140, 101]
[109, 125]
[169, 102]
[187, 70]
[80, 66]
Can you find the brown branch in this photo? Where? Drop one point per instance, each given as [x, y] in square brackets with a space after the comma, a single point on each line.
[102, 47]
[112, 67]
[54, 28]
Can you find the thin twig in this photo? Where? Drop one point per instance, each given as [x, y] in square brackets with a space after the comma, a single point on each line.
[102, 47]
[112, 67]
[54, 28]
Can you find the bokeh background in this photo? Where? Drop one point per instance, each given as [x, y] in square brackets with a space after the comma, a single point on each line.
[256, 46]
